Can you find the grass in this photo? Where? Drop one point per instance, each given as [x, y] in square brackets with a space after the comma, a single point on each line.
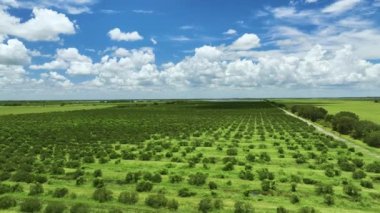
[366, 109]
[245, 127]
[15, 110]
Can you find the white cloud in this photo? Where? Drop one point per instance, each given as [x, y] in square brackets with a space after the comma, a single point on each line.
[208, 52]
[117, 35]
[69, 60]
[143, 11]
[230, 32]
[11, 75]
[341, 6]
[55, 79]
[13, 52]
[311, 1]
[246, 42]
[180, 38]
[154, 41]
[45, 25]
[69, 6]
[187, 27]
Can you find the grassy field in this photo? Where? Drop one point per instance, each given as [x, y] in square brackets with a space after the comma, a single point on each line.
[366, 109]
[249, 152]
[6, 110]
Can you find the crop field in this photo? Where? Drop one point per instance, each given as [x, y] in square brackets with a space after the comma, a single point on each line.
[367, 109]
[183, 156]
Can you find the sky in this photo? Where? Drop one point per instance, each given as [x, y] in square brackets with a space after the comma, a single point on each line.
[153, 49]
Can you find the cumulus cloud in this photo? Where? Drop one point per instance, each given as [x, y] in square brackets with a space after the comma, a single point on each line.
[117, 35]
[11, 75]
[154, 41]
[341, 6]
[69, 60]
[246, 42]
[55, 79]
[13, 52]
[45, 25]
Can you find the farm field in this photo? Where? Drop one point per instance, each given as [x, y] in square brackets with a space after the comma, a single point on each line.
[367, 109]
[184, 156]
[25, 109]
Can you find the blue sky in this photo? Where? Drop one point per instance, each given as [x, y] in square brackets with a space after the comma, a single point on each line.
[97, 49]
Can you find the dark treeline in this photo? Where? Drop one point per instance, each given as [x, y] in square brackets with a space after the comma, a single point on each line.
[346, 123]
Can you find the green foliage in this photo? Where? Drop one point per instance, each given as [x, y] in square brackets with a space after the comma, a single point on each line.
[128, 197]
[102, 195]
[7, 202]
[309, 112]
[36, 189]
[373, 139]
[197, 179]
[156, 201]
[60, 192]
[243, 207]
[144, 186]
[185, 192]
[80, 208]
[172, 204]
[352, 191]
[205, 205]
[55, 207]
[31, 205]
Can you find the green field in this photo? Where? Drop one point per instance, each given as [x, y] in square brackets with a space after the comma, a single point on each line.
[5, 110]
[221, 152]
[366, 109]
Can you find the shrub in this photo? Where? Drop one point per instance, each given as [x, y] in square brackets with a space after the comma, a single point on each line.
[40, 179]
[246, 175]
[281, 209]
[373, 167]
[144, 186]
[324, 189]
[351, 190]
[102, 195]
[294, 199]
[366, 184]
[98, 173]
[197, 179]
[156, 178]
[172, 204]
[23, 176]
[5, 176]
[175, 179]
[205, 205]
[359, 174]
[55, 207]
[4, 188]
[329, 200]
[250, 157]
[80, 208]
[36, 189]
[229, 166]
[60, 192]
[232, 151]
[267, 185]
[128, 197]
[307, 209]
[98, 183]
[156, 201]
[373, 139]
[31, 205]
[212, 185]
[185, 192]
[218, 204]
[7, 202]
[79, 181]
[243, 207]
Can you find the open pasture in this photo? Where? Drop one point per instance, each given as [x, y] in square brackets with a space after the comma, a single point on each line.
[182, 156]
[367, 109]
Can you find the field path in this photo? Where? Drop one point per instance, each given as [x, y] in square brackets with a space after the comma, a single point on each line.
[362, 149]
